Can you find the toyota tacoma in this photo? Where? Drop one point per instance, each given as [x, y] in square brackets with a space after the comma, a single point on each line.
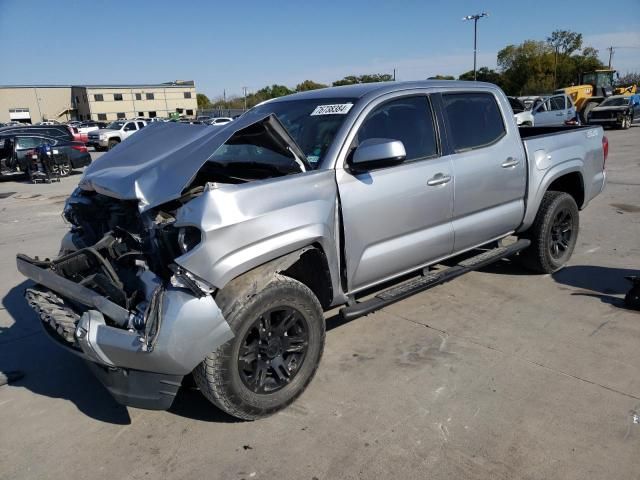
[215, 252]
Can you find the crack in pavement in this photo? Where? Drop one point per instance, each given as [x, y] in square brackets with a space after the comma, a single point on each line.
[531, 362]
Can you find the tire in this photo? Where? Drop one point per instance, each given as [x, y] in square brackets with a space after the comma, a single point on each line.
[632, 298]
[112, 143]
[254, 389]
[62, 169]
[626, 122]
[553, 234]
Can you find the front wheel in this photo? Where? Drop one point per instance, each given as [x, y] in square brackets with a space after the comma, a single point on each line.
[553, 234]
[112, 144]
[279, 340]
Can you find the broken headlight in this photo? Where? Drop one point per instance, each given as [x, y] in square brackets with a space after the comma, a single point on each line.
[188, 238]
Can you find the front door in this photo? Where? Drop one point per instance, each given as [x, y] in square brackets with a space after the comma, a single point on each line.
[397, 218]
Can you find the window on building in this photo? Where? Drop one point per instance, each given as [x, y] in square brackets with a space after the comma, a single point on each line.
[121, 115]
[180, 110]
[102, 116]
[98, 97]
[141, 114]
[465, 111]
[84, 96]
[117, 97]
[187, 94]
[150, 96]
[77, 99]
[190, 112]
[138, 96]
[152, 115]
[80, 117]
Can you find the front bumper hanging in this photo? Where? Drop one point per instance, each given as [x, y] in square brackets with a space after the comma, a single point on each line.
[189, 328]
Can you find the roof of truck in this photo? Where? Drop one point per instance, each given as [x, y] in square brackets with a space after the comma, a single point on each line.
[361, 89]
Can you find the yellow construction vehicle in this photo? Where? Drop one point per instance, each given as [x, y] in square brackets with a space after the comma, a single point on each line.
[593, 88]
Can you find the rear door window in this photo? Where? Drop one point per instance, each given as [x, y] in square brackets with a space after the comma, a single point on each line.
[409, 120]
[140, 125]
[129, 127]
[473, 120]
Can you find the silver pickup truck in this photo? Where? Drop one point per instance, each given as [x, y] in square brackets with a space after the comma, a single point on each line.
[215, 252]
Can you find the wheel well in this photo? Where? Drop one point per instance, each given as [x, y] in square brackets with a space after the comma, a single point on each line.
[570, 183]
[312, 269]
[308, 266]
[114, 138]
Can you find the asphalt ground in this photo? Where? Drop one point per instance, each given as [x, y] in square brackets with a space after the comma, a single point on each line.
[499, 374]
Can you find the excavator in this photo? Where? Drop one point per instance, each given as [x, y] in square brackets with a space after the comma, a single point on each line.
[593, 88]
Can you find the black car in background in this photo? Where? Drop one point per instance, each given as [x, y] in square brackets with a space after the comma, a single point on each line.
[17, 150]
[55, 131]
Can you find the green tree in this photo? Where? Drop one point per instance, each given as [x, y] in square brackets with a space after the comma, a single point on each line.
[483, 74]
[203, 101]
[442, 77]
[368, 78]
[309, 85]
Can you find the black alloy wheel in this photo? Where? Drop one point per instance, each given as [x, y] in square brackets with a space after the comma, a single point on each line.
[273, 350]
[561, 233]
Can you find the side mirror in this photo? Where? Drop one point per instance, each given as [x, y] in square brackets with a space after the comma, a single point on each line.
[378, 152]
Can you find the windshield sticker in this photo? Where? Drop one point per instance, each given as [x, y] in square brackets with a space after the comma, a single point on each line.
[336, 109]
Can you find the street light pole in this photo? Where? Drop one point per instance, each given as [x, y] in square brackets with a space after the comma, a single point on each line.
[475, 19]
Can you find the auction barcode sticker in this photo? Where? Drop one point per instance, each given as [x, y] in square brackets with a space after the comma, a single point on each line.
[336, 109]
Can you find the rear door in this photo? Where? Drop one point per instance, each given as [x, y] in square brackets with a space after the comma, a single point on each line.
[489, 167]
[397, 218]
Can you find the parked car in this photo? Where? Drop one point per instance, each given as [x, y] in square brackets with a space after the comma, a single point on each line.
[57, 131]
[48, 122]
[215, 251]
[81, 131]
[555, 110]
[617, 111]
[17, 150]
[204, 118]
[219, 120]
[523, 116]
[115, 133]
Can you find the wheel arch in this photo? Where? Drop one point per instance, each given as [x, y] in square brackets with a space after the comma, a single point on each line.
[308, 265]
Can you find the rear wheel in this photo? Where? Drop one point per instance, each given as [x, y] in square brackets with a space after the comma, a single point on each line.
[626, 122]
[62, 169]
[278, 343]
[553, 234]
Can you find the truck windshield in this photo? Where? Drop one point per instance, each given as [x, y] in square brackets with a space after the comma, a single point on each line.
[115, 125]
[311, 123]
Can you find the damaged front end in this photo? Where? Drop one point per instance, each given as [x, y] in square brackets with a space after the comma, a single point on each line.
[115, 296]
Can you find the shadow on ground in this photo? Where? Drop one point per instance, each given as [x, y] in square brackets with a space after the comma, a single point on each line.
[605, 283]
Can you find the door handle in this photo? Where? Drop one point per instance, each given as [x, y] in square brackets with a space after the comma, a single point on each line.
[438, 179]
[510, 162]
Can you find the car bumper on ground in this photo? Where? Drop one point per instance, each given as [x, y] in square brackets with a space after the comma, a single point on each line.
[135, 372]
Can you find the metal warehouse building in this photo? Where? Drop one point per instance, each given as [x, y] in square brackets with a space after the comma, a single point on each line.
[36, 103]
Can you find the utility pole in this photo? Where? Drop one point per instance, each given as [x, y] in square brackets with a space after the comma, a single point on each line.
[475, 19]
[394, 74]
[244, 89]
[610, 55]
[555, 67]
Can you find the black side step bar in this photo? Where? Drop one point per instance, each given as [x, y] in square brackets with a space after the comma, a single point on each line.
[419, 284]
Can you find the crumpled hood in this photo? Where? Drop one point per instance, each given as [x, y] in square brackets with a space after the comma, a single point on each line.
[157, 163]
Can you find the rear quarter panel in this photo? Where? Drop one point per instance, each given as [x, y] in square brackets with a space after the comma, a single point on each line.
[554, 155]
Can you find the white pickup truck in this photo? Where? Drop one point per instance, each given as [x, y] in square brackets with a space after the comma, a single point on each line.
[115, 133]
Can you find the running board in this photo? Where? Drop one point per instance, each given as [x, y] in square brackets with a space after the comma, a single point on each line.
[419, 284]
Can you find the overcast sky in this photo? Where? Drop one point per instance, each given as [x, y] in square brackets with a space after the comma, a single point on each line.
[228, 45]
